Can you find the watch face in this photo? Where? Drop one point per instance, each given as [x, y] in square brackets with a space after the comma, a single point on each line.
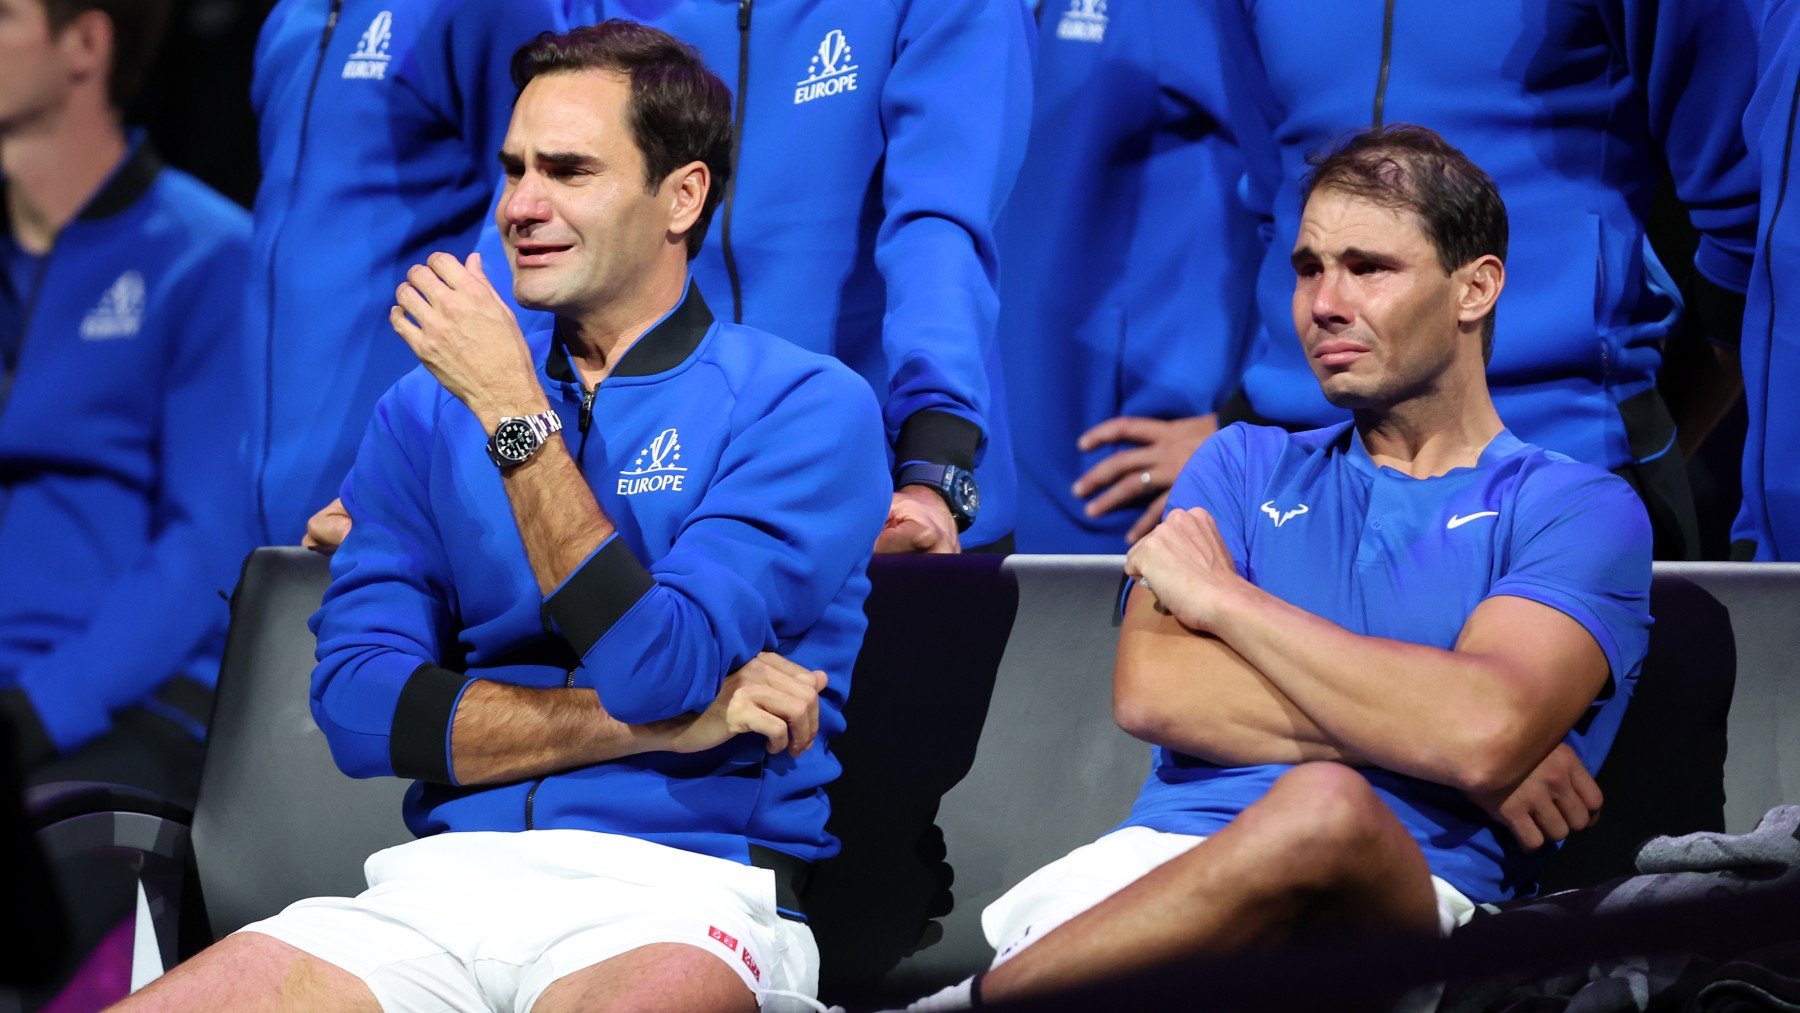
[965, 492]
[514, 440]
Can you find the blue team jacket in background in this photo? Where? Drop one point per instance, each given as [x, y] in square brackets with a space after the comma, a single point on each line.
[1569, 107]
[121, 483]
[879, 142]
[1771, 348]
[1128, 261]
[746, 481]
[378, 125]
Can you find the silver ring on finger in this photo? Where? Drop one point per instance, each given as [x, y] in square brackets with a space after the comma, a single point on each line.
[1145, 478]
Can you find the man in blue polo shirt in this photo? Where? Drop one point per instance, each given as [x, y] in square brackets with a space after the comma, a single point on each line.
[574, 561]
[1367, 654]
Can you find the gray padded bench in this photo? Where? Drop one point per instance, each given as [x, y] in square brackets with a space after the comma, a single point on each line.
[981, 702]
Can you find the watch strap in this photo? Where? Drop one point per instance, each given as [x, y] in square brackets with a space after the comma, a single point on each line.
[938, 478]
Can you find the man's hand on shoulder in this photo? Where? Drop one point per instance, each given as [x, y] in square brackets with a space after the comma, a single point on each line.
[1556, 799]
[327, 529]
[1185, 564]
[1148, 469]
[466, 335]
[770, 696]
[918, 521]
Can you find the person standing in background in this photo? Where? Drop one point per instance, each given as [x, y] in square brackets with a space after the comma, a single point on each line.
[120, 410]
[1125, 305]
[1768, 526]
[378, 124]
[1571, 107]
[876, 146]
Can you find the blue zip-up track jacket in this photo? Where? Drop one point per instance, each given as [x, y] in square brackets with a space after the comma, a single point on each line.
[121, 481]
[878, 140]
[1129, 260]
[1569, 107]
[744, 476]
[1768, 527]
[378, 121]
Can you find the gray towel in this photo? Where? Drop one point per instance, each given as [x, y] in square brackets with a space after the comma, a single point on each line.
[1772, 849]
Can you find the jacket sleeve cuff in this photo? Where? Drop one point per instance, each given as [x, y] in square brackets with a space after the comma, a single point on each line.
[938, 438]
[1719, 310]
[31, 743]
[419, 742]
[598, 594]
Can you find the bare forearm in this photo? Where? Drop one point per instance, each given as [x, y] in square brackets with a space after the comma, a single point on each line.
[559, 520]
[505, 733]
[1194, 694]
[1410, 708]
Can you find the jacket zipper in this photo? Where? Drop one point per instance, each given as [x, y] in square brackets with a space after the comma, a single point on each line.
[262, 464]
[1387, 60]
[12, 377]
[531, 796]
[582, 422]
[737, 147]
[30, 312]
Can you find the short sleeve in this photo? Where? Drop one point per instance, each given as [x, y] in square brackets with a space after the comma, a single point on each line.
[1581, 545]
[1214, 479]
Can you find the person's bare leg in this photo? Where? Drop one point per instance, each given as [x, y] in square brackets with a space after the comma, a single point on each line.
[251, 971]
[673, 977]
[1320, 847]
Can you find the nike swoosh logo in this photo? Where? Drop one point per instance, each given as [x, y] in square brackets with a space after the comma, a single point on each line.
[1457, 522]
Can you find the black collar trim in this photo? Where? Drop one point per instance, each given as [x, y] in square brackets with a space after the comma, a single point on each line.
[121, 190]
[129, 183]
[662, 347]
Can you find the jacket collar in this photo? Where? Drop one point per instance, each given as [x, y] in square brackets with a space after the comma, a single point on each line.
[128, 182]
[664, 346]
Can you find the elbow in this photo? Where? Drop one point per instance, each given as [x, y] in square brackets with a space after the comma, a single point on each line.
[640, 698]
[1490, 756]
[1137, 715]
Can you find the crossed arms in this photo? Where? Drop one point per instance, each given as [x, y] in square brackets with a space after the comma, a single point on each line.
[1233, 675]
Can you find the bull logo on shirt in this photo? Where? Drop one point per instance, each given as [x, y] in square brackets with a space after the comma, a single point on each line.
[1281, 517]
[655, 468]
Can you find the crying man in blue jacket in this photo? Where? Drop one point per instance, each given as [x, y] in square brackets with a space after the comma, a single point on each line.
[601, 600]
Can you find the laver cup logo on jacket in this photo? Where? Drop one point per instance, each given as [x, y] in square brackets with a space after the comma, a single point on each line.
[831, 71]
[119, 311]
[1084, 21]
[655, 468]
[371, 57]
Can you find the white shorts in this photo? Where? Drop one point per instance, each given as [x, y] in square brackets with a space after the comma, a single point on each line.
[466, 921]
[1088, 875]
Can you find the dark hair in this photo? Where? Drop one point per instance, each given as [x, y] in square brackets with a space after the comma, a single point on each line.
[1411, 168]
[137, 30]
[679, 111]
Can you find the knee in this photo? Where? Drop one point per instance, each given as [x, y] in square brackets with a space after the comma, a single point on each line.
[1325, 817]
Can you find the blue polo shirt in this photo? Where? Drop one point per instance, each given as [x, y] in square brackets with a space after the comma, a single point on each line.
[1311, 519]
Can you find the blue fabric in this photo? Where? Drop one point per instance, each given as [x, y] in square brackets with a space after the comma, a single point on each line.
[763, 547]
[1564, 105]
[1129, 262]
[1771, 347]
[121, 482]
[392, 159]
[1311, 519]
[863, 219]
[19, 269]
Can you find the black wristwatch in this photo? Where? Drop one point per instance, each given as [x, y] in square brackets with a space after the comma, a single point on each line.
[517, 437]
[956, 485]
